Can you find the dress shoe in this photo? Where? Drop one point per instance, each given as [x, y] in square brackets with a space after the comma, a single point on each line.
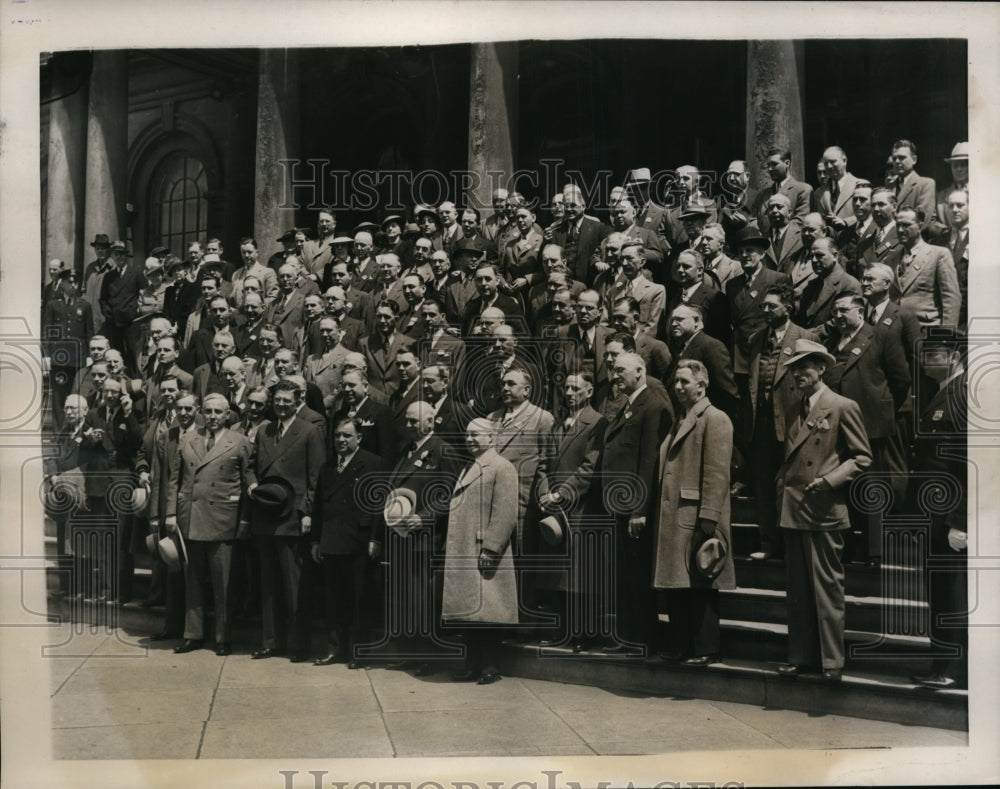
[616, 649]
[935, 681]
[298, 657]
[701, 660]
[578, 647]
[760, 556]
[354, 665]
[223, 649]
[329, 660]
[465, 675]
[164, 635]
[189, 645]
[424, 670]
[671, 657]
[790, 670]
[267, 652]
[833, 674]
[488, 679]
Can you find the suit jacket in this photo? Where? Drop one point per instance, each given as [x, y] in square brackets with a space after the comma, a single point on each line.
[446, 349]
[871, 251]
[201, 343]
[917, 192]
[723, 269]
[510, 307]
[378, 429]
[929, 286]
[798, 192]
[830, 444]
[401, 399]
[654, 217]
[208, 487]
[120, 294]
[904, 324]
[566, 354]
[655, 354]
[343, 522]
[151, 388]
[457, 296]
[288, 316]
[791, 242]
[823, 202]
[268, 282]
[631, 450]
[852, 241]
[110, 459]
[713, 305]
[381, 360]
[657, 248]
[871, 370]
[429, 472]
[578, 257]
[206, 380]
[296, 458]
[524, 442]
[784, 394]
[520, 257]
[323, 369]
[745, 306]
[570, 464]
[652, 297]
[816, 304]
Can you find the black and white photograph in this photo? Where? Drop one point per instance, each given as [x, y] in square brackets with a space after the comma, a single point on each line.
[498, 394]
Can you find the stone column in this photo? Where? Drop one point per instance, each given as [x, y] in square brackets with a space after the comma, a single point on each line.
[492, 115]
[67, 163]
[277, 140]
[774, 107]
[107, 147]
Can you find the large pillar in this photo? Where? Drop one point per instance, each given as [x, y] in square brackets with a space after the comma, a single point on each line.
[67, 161]
[277, 140]
[107, 147]
[492, 115]
[774, 107]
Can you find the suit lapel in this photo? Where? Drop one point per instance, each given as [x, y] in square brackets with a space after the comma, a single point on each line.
[910, 276]
[223, 444]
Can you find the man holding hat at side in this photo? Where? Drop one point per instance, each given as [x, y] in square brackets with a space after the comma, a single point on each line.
[826, 447]
[208, 480]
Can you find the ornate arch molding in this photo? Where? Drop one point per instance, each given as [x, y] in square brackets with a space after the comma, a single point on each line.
[185, 134]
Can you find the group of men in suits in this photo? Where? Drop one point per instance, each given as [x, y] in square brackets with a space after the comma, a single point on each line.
[332, 359]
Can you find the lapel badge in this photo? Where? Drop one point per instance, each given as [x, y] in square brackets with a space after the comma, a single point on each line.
[788, 351]
[856, 351]
[753, 294]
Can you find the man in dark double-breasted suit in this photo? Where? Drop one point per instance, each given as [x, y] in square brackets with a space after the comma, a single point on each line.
[627, 475]
[745, 292]
[290, 451]
[208, 480]
[424, 475]
[567, 487]
[342, 541]
[816, 303]
[826, 447]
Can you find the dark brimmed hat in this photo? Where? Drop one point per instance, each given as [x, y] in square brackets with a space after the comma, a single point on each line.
[553, 528]
[420, 210]
[288, 235]
[274, 496]
[365, 227]
[750, 236]
[101, 240]
[695, 211]
[410, 230]
[470, 246]
[393, 218]
[157, 251]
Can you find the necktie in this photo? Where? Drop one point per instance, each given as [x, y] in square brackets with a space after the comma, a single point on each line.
[834, 193]
[340, 466]
[872, 317]
[804, 415]
[211, 442]
[879, 236]
[568, 423]
[280, 432]
[904, 263]
[508, 418]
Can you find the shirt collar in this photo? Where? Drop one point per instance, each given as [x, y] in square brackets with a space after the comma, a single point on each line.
[636, 393]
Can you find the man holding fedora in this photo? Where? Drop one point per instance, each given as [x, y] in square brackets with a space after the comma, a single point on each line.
[209, 476]
[566, 497]
[289, 453]
[413, 533]
[826, 447]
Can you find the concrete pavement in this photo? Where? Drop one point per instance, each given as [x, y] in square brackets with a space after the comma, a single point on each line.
[120, 696]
